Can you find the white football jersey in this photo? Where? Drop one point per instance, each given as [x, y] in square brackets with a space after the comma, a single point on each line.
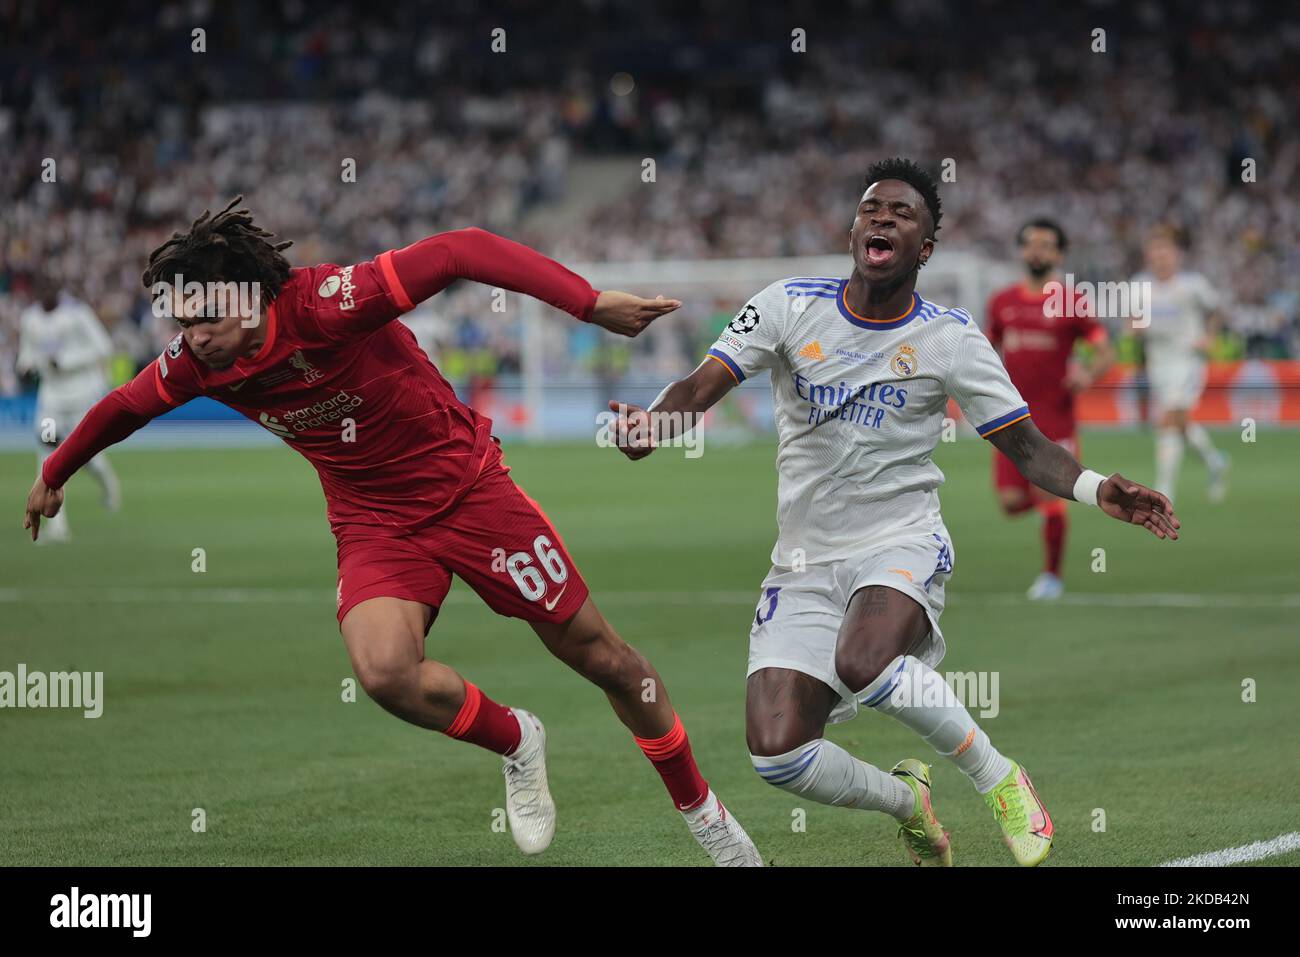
[859, 406]
[68, 347]
[1179, 308]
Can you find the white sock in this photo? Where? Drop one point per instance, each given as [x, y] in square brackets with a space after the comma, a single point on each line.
[826, 773]
[103, 471]
[1169, 459]
[1200, 440]
[916, 695]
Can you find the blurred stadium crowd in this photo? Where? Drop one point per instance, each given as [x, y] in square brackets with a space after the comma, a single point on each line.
[759, 149]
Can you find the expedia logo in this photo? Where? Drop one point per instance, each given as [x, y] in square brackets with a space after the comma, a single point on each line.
[348, 287]
[329, 287]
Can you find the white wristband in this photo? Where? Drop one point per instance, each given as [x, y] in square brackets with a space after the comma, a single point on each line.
[1087, 485]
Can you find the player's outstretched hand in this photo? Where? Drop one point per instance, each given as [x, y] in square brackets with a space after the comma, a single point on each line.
[628, 315]
[1138, 505]
[42, 500]
[630, 431]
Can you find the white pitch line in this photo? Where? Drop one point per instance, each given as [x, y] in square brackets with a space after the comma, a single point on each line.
[312, 596]
[1282, 844]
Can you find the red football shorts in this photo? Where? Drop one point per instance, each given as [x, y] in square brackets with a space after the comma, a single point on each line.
[1007, 476]
[496, 539]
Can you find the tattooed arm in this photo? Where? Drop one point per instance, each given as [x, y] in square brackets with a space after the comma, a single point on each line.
[1055, 470]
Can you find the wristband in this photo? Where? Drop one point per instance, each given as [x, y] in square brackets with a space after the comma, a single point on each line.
[1087, 485]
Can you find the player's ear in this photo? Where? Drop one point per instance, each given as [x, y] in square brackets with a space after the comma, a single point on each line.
[927, 250]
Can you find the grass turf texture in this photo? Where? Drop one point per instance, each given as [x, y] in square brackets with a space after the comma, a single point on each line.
[230, 701]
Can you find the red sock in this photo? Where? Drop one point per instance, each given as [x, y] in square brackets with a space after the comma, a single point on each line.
[672, 758]
[483, 722]
[1054, 525]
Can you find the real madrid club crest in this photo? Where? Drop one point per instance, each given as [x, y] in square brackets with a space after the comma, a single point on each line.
[904, 362]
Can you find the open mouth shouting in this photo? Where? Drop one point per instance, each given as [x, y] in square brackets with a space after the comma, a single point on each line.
[879, 250]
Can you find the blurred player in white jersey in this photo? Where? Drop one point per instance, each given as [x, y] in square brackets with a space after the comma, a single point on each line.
[862, 369]
[62, 341]
[1183, 314]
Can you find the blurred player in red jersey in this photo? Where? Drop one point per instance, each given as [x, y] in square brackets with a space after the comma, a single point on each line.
[1035, 329]
[415, 485]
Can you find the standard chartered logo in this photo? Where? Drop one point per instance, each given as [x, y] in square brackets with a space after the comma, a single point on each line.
[323, 412]
[272, 423]
[311, 416]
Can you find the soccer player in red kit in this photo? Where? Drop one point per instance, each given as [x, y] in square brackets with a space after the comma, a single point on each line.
[1035, 329]
[415, 485]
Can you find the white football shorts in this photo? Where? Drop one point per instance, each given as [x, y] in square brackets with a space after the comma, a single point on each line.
[1176, 381]
[799, 613]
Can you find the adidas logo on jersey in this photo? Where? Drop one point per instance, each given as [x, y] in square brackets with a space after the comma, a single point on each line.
[813, 351]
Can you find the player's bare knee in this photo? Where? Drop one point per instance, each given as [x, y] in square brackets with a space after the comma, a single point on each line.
[1013, 504]
[388, 682]
[859, 665]
[768, 739]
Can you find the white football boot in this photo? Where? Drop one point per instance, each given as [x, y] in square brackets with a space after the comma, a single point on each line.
[1046, 587]
[721, 834]
[1217, 489]
[529, 807]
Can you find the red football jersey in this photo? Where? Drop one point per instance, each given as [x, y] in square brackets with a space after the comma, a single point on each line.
[1036, 346]
[345, 385]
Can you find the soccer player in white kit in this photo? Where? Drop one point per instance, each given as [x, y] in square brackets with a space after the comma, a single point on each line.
[862, 369]
[62, 341]
[1182, 308]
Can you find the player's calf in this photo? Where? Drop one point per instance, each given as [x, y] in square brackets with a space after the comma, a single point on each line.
[912, 693]
[822, 771]
[385, 639]
[588, 644]
[785, 717]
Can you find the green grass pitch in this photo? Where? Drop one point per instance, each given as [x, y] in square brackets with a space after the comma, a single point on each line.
[223, 689]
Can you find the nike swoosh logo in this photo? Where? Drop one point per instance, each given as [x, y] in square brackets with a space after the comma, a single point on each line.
[236, 388]
[550, 605]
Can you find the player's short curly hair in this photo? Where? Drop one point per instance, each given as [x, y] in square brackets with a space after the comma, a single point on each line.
[1170, 232]
[1062, 243]
[915, 177]
[227, 247]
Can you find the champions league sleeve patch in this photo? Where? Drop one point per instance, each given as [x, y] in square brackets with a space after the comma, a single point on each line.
[745, 321]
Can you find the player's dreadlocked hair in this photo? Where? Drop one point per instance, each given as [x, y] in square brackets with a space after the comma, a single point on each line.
[227, 247]
[915, 177]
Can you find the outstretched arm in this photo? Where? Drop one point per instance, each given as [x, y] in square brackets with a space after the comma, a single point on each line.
[424, 269]
[677, 409]
[1055, 470]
